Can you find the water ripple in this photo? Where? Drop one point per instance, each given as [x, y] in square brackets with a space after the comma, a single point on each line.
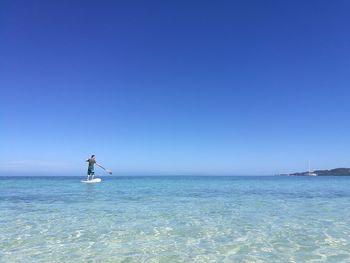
[175, 219]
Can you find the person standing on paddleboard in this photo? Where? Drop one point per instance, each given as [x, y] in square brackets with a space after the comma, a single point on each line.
[91, 167]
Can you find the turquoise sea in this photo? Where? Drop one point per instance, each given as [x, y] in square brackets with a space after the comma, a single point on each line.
[175, 219]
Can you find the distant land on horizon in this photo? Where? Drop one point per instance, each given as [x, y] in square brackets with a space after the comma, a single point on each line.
[334, 172]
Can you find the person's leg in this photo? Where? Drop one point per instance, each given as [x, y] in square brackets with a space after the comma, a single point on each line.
[88, 174]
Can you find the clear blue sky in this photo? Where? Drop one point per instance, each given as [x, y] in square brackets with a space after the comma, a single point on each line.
[174, 87]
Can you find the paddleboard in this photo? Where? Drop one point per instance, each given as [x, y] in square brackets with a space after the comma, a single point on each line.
[92, 181]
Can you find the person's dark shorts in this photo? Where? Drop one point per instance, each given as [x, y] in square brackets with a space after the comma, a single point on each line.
[91, 171]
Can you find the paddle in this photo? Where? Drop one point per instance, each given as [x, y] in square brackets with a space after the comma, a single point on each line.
[108, 171]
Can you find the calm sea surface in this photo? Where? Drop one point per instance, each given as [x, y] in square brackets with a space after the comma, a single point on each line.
[175, 219]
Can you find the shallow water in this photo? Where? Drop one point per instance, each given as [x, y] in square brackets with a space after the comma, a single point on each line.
[175, 219]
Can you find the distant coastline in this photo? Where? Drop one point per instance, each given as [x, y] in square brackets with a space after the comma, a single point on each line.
[332, 172]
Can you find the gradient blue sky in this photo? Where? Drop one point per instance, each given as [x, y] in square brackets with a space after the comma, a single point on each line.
[174, 87]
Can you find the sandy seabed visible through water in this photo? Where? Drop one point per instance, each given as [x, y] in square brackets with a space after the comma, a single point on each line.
[175, 219]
